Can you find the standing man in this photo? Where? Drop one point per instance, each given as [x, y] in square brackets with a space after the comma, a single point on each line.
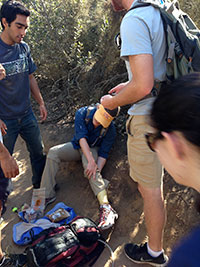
[143, 48]
[10, 169]
[16, 115]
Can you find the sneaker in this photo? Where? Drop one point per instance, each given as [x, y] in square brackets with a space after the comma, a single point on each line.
[107, 217]
[5, 261]
[49, 201]
[139, 254]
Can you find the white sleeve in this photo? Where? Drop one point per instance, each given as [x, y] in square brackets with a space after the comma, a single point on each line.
[1, 138]
[135, 36]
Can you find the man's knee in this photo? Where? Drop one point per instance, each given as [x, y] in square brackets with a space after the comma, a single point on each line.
[53, 154]
[150, 193]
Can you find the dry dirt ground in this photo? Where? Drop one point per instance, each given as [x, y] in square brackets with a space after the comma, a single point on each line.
[75, 192]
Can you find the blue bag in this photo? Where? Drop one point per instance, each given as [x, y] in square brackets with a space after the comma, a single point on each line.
[24, 232]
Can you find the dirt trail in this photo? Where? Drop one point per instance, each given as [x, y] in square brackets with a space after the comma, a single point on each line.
[75, 192]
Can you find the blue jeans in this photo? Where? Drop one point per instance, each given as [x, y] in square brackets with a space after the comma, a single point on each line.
[28, 129]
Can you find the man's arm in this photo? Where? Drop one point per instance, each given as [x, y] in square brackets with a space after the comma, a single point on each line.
[2, 72]
[92, 166]
[35, 91]
[118, 88]
[3, 127]
[8, 163]
[140, 85]
[100, 163]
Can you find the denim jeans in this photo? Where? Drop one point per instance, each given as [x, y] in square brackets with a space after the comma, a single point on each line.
[27, 127]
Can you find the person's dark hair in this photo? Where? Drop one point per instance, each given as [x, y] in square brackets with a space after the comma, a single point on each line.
[177, 108]
[10, 9]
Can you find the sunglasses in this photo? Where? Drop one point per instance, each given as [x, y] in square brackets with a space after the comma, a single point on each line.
[118, 41]
[151, 139]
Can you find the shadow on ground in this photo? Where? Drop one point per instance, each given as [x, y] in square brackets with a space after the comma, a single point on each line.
[75, 192]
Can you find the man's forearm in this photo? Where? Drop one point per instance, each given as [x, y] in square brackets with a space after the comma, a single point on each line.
[35, 91]
[91, 168]
[8, 163]
[138, 87]
[3, 152]
[86, 149]
[131, 93]
[128, 95]
[100, 163]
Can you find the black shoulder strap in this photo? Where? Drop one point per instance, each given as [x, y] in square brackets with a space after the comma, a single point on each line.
[103, 132]
[139, 5]
[89, 109]
[87, 119]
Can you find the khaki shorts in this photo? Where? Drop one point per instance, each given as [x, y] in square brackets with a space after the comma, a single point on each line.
[145, 168]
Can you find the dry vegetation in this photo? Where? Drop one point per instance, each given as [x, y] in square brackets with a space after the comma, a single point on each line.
[72, 43]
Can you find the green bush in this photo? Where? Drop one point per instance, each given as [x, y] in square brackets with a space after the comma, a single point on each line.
[66, 34]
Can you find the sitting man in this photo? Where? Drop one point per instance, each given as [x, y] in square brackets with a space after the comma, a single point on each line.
[92, 141]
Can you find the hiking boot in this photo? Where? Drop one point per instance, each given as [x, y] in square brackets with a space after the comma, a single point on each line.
[6, 261]
[49, 201]
[139, 254]
[107, 217]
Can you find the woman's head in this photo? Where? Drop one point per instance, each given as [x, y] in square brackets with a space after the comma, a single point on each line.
[175, 116]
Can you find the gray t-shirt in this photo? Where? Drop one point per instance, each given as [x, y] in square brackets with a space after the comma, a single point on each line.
[15, 87]
[142, 33]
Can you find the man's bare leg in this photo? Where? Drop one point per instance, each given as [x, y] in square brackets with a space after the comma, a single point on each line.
[155, 215]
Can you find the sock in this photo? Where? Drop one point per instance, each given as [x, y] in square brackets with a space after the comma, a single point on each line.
[153, 253]
[105, 206]
[102, 197]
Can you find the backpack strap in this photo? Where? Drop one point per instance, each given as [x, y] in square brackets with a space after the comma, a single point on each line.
[89, 109]
[87, 119]
[139, 5]
[102, 134]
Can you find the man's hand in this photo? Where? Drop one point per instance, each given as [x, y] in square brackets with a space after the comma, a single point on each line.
[9, 167]
[107, 102]
[8, 163]
[3, 127]
[91, 169]
[43, 112]
[35, 91]
[118, 88]
[2, 72]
